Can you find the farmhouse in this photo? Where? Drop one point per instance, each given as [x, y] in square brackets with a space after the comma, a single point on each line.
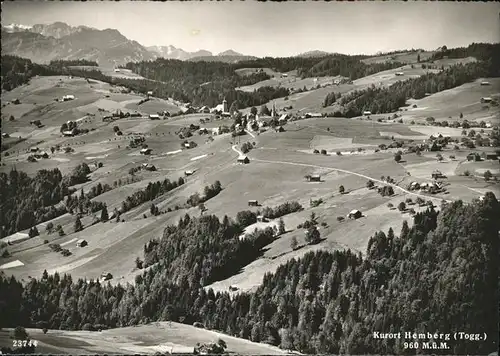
[253, 203]
[204, 110]
[354, 214]
[473, 157]
[261, 218]
[146, 151]
[243, 160]
[314, 115]
[215, 130]
[5, 135]
[437, 174]
[283, 118]
[149, 93]
[117, 70]
[485, 83]
[187, 145]
[486, 100]
[154, 117]
[280, 129]
[203, 130]
[399, 74]
[366, 113]
[81, 243]
[188, 173]
[314, 178]
[34, 149]
[106, 276]
[69, 133]
[492, 156]
[68, 97]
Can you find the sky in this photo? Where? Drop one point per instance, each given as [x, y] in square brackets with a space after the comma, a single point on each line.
[276, 29]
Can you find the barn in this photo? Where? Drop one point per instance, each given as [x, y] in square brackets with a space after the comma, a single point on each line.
[253, 203]
[354, 214]
[146, 151]
[243, 160]
[81, 243]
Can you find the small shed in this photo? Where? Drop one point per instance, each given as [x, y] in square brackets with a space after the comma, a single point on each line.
[154, 117]
[188, 173]
[484, 83]
[486, 100]
[243, 160]
[68, 133]
[68, 97]
[437, 174]
[280, 129]
[253, 203]
[150, 93]
[314, 178]
[34, 149]
[354, 214]
[399, 74]
[146, 151]
[81, 243]
[366, 113]
[261, 218]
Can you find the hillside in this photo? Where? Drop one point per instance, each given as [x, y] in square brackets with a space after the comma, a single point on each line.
[300, 247]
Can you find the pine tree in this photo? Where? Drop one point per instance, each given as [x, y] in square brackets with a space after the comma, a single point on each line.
[104, 214]
[281, 227]
[78, 224]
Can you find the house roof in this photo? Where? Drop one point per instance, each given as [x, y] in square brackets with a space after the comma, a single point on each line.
[242, 158]
[355, 211]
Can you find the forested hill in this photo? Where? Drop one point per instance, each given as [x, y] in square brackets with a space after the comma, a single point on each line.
[440, 275]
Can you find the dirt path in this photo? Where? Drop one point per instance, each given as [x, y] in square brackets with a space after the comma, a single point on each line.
[350, 172]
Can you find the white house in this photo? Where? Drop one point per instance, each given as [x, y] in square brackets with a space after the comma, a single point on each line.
[486, 100]
[399, 74]
[150, 93]
[485, 83]
[146, 151]
[68, 97]
[117, 70]
[188, 173]
[367, 112]
[154, 117]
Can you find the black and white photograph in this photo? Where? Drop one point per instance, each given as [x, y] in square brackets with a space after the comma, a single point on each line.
[250, 178]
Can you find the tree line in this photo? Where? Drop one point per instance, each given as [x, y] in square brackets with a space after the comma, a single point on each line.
[150, 192]
[390, 99]
[28, 201]
[440, 273]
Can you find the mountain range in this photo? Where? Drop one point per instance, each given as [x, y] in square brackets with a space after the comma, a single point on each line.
[60, 41]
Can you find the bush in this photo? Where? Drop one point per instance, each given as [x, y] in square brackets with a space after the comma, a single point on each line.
[340, 218]
[323, 152]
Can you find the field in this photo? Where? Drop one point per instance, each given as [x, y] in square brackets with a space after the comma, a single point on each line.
[279, 163]
[164, 337]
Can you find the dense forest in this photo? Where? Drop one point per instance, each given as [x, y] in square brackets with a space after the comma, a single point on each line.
[27, 201]
[440, 275]
[17, 71]
[481, 51]
[390, 99]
